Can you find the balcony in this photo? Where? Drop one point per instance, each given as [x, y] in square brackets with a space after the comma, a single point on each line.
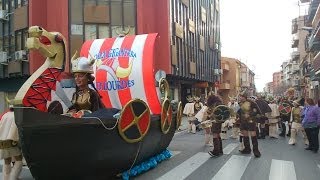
[296, 82]
[316, 62]
[295, 42]
[225, 67]
[295, 55]
[225, 85]
[294, 27]
[312, 11]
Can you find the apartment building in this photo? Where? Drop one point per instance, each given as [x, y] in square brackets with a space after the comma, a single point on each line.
[230, 84]
[188, 48]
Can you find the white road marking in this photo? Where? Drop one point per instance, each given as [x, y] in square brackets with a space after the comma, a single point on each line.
[282, 170]
[233, 168]
[187, 167]
[229, 148]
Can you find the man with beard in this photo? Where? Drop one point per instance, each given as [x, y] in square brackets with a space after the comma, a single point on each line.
[248, 114]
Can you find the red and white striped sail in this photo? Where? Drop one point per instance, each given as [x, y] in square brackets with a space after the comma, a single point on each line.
[124, 69]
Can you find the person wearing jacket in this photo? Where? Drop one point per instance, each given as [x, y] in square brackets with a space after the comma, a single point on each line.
[310, 122]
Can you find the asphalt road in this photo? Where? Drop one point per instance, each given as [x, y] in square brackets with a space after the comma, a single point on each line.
[279, 161]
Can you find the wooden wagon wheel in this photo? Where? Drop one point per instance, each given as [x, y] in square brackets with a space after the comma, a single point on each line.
[166, 116]
[134, 121]
[179, 115]
[164, 87]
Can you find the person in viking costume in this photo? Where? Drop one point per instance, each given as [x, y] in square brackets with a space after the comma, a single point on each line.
[9, 147]
[212, 102]
[263, 119]
[234, 106]
[273, 118]
[285, 112]
[201, 117]
[84, 98]
[248, 113]
[189, 112]
[296, 126]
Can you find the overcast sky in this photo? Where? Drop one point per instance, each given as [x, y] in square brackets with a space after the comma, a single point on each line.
[258, 32]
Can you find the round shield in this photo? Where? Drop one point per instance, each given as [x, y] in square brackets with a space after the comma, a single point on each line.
[284, 108]
[221, 113]
[134, 121]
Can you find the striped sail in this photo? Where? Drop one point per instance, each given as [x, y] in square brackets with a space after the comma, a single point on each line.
[124, 69]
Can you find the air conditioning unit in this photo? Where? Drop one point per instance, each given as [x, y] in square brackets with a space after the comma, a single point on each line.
[3, 14]
[3, 57]
[217, 71]
[20, 55]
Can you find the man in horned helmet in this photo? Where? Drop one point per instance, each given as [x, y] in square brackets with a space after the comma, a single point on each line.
[212, 102]
[248, 114]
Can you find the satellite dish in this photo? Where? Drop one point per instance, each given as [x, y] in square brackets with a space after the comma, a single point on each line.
[160, 74]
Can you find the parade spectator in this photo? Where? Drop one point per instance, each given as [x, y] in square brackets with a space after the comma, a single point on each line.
[310, 122]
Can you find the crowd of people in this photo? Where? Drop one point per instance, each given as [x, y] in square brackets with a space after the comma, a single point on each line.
[255, 118]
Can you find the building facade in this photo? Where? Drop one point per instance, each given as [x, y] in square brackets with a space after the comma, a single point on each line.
[187, 49]
[230, 85]
[247, 80]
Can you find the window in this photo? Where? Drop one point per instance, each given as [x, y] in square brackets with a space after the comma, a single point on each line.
[90, 31]
[103, 31]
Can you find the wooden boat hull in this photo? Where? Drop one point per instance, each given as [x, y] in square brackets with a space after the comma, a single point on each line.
[61, 147]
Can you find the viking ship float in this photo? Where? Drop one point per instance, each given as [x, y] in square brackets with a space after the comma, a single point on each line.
[137, 123]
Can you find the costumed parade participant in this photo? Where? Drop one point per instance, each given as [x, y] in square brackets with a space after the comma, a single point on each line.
[212, 102]
[234, 106]
[9, 148]
[263, 119]
[285, 107]
[248, 114]
[84, 98]
[273, 117]
[189, 112]
[201, 117]
[296, 126]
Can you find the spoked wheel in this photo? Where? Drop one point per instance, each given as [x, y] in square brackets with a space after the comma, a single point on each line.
[166, 116]
[134, 121]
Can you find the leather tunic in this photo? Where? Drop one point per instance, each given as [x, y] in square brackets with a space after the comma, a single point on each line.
[296, 117]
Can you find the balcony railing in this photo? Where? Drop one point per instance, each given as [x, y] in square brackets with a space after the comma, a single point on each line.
[225, 66]
[295, 55]
[295, 42]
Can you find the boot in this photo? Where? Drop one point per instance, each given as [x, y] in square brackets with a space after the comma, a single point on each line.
[292, 140]
[6, 169]
[220, 141]
[246, 143]
[241, 146]
[283, 127]
[235, 133]
[305, 138]
[255, 148]
[16, 170]
[258, 132]
[207, 140]
[216, 148]
[262, 133]
[193, 128]
[266, 130]
[289, 131]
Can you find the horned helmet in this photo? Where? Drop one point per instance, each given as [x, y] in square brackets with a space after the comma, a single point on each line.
[82, 65]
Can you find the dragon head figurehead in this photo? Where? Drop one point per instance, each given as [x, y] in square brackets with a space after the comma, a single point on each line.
[36, 91]
[49, 44]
